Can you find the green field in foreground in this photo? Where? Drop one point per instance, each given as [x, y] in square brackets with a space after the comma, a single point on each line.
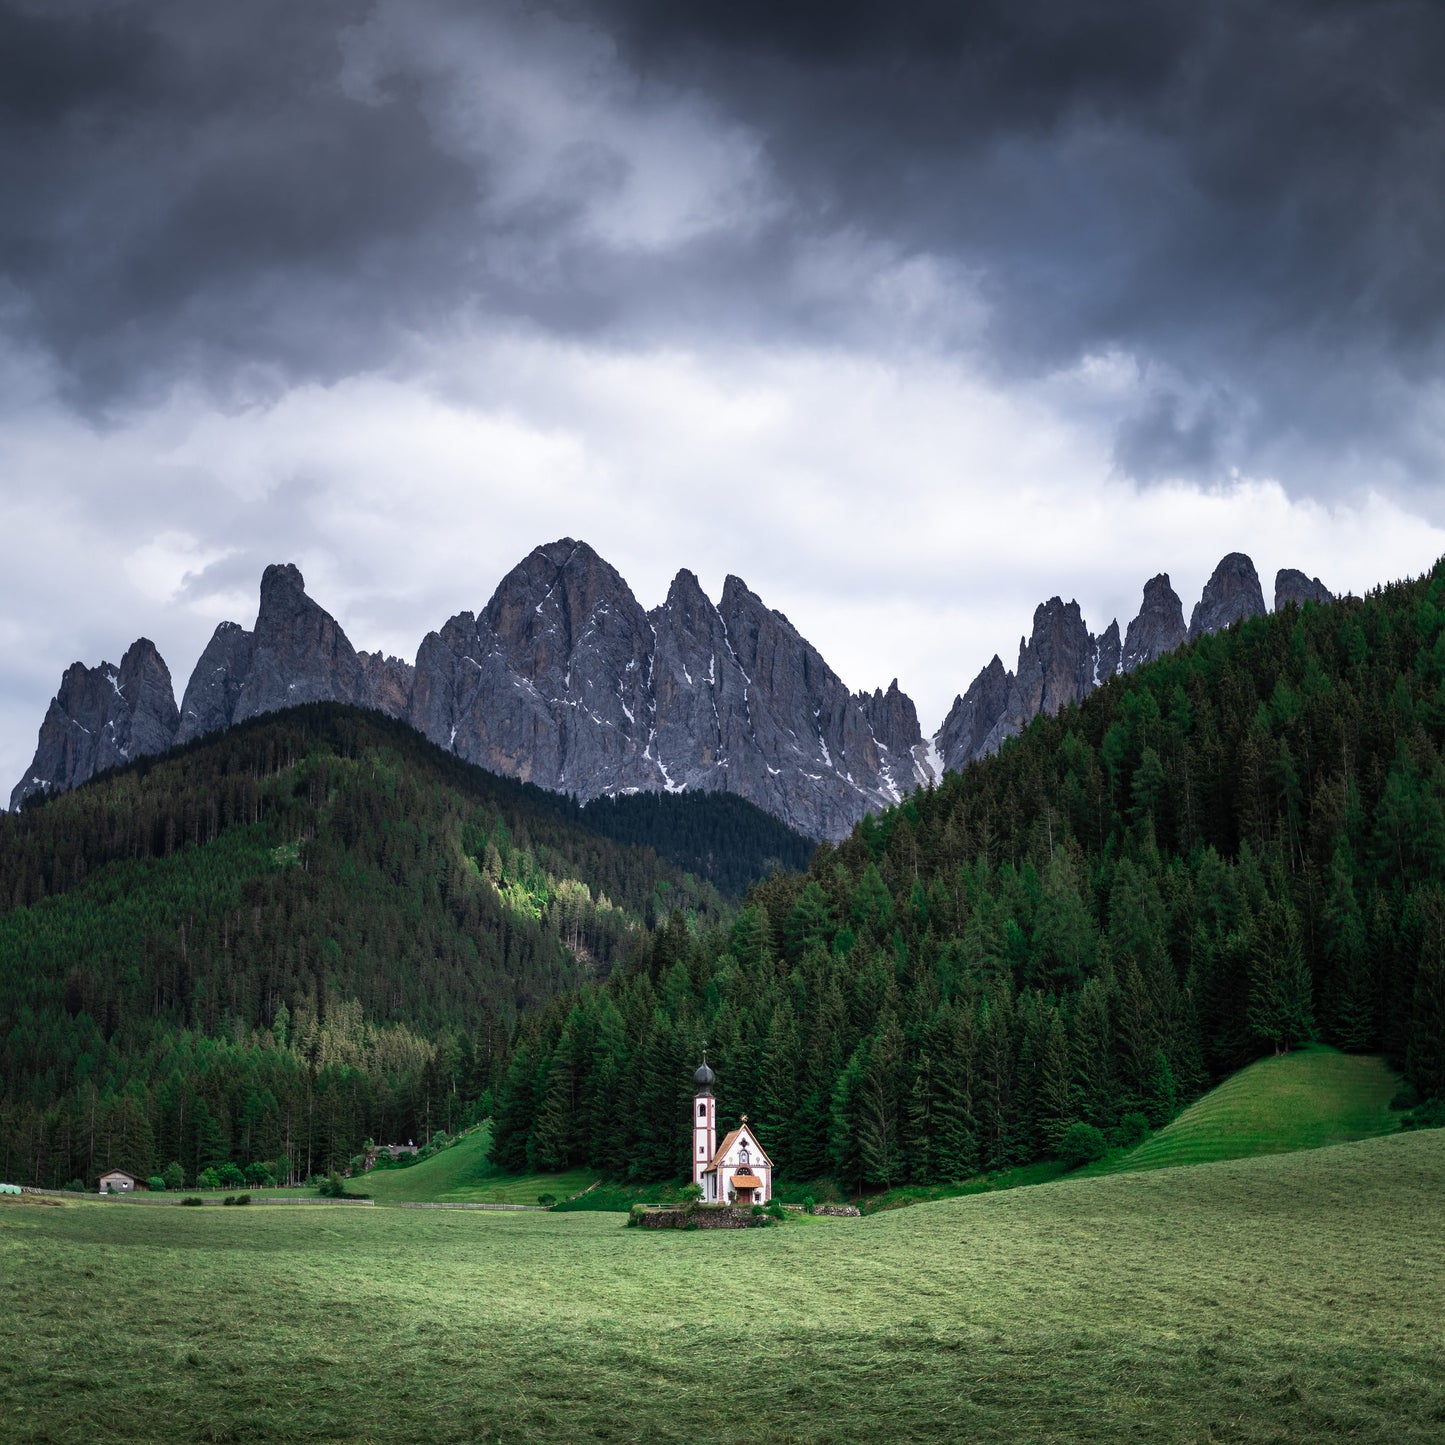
[1287, 1298]
[1297, 1101]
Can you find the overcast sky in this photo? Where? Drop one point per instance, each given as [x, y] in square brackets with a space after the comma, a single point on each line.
[910, 321]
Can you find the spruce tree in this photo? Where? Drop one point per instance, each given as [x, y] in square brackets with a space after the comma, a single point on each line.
[1281, 1010]
[1351, 995]
[1055, 1099]
[880, 1107]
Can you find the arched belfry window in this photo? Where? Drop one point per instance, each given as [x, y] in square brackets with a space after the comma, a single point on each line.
[702, 1111]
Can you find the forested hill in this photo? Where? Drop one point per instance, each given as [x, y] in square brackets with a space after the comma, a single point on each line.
[718, 836]
[1230, 851]
[320, 903]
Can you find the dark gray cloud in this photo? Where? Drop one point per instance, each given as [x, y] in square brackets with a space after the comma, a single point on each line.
[1247, 193]
[189, 190]
[1164, 439]
[1242, 197]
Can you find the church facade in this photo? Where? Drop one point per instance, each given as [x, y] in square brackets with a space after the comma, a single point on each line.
[737, 1171]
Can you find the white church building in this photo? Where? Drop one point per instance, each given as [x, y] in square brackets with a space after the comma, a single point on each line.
[737, 1171]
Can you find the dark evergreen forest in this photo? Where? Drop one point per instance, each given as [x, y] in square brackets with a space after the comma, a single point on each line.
[1227, 853]
[718, 836]
[318, 928]
[312, 929]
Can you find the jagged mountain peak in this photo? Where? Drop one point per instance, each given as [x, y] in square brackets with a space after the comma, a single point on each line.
[561, 586]
[299, 652]
[1231, 594]
[739, 600]
[101, 717]
[281, 580]
[1159, 627]
[686, 605]
[686, 590]
[737, 594]
[1292, 585]
[1061, 662]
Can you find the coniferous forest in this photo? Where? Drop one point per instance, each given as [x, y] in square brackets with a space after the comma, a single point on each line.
[309, 930]
[318, 928]
[1234, 850]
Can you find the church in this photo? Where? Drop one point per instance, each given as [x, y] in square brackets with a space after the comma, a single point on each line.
[737, 1171]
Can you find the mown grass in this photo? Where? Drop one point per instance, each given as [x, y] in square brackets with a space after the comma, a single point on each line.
[1286, 1298]
[463, 1174]
[460, 1174]
[1301, 1100]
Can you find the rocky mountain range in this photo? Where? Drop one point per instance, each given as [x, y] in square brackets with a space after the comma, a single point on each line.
[564, 680]
[1063, 662]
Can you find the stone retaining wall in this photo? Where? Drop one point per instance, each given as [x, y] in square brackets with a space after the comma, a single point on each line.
[705, 1218]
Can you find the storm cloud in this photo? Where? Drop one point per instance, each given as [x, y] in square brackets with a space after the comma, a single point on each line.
[911, 315]
[1245, 198]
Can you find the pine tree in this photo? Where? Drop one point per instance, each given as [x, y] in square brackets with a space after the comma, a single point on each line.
[1425, 1052]
[920, 1123]
[996, 1103]
[1064, 933]
[880, 1105]
[844, 1145]
[515, 1112]
[1351, 998]
[1091, 1054]
[1055, 1093]
[1281, 1010]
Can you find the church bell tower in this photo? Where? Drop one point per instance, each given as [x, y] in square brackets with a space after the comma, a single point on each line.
[704, 1120]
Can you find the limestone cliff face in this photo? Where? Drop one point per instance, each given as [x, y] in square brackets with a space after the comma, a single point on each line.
[547, 684]
[974, 715]
[101, 717]
[1291, 585]
[1231, 594]
[388, 683]
[561, 680]
[1062, 662]
[1110, 658]
[209, 703]
[894, 721]
[565, 681]
[1059, 663]
[1159, 627]
[298, 652]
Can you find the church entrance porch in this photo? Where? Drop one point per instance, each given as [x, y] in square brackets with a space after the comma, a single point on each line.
[749, 1188]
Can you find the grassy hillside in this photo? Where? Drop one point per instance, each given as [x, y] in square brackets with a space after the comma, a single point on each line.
[1296, 1101]
[464, 1174]
[1288, 1298]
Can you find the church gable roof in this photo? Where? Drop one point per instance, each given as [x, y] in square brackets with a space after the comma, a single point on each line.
[730, 1140]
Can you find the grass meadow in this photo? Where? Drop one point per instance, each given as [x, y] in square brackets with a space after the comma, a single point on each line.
[1291, 1297]
[1301, 1100]
[463, 1174]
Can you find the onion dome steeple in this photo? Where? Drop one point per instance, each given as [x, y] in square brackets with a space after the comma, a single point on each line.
[704, 1078]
